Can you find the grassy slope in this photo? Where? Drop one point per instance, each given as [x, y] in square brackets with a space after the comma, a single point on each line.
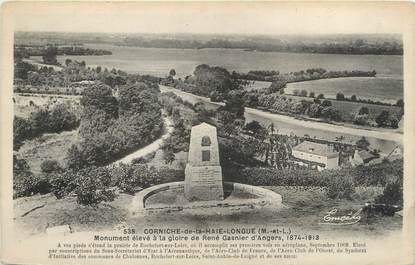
[47, 146]
[304, 211]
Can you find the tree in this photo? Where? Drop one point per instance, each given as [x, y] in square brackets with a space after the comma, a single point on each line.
[330, 113]
[400, 103]
[100, 108]
[353, 98]
[383, 118]
[74, 159]
[137, 98]
[50, 166]
[363, 111]
[326, 103]
[320, 96]
[255, 127]
[393, 192]
[303, 93]
[361, 119]
[363, 143]
[22, 130]
[172, 72]
[235, 103]
[92, 186]
[296, 92]
[314, 111]
[49, 55]
[67, 62]
[340, 96]
[168, 155]
[276, 86]
[311, 94]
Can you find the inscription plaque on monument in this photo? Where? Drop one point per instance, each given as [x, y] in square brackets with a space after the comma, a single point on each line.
[203, 174]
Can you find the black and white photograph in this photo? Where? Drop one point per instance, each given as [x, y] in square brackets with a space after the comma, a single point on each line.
[209, 132]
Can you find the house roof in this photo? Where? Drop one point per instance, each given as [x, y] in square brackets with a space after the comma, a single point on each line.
[365, 155]
[315, 149]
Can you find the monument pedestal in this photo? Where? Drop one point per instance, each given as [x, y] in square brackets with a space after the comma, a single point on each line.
[203, 183]
[203, 174]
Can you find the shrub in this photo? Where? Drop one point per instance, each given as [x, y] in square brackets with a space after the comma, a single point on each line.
[361, 119]
[393, 193]
[170, 175]
[62, 184]
[92, 186]
[340, 96]
[22, 130]
[25, 183]
[326, 103]
[340, 187]
[50, 166]
[364, 111]
[353, 98]
[131, 178]
[303, 93]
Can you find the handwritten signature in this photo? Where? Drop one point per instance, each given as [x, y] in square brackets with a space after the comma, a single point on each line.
[333, 218]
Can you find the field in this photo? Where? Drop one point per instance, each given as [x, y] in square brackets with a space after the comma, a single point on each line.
[303, 211]
[25, 103]
[48, 146]
[257, 85]
[387, 90]
[349, 109]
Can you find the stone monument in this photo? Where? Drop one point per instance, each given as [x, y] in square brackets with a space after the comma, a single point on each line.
[203, 174]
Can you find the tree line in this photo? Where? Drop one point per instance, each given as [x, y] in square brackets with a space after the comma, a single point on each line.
[303, 75]
[358, 46]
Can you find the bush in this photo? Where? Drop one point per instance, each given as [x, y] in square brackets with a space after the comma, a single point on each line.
[340, 96]
[50, 166]
[25, 183]
[340, 187]
[62, 184]
[326, 103]
[131, 178]
[393, 192]
[92, 186]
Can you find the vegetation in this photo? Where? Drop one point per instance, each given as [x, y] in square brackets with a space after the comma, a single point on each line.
[55, 120]
[111, 128]
[340, 183]
[300, 76]
[358, 46]
[50, 52]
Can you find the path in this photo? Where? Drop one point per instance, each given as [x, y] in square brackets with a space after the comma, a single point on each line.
[154, 146]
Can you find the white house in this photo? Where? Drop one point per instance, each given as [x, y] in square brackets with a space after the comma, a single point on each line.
[315, 155]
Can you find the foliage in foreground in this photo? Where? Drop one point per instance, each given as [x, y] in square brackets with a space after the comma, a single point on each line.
[340, 183]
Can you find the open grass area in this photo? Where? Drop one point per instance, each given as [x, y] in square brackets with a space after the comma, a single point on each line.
[257, 85]
[24, 104]
[303, 212]
[48, 146]
[376, 88]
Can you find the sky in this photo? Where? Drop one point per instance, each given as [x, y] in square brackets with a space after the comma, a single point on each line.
[269, 18]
